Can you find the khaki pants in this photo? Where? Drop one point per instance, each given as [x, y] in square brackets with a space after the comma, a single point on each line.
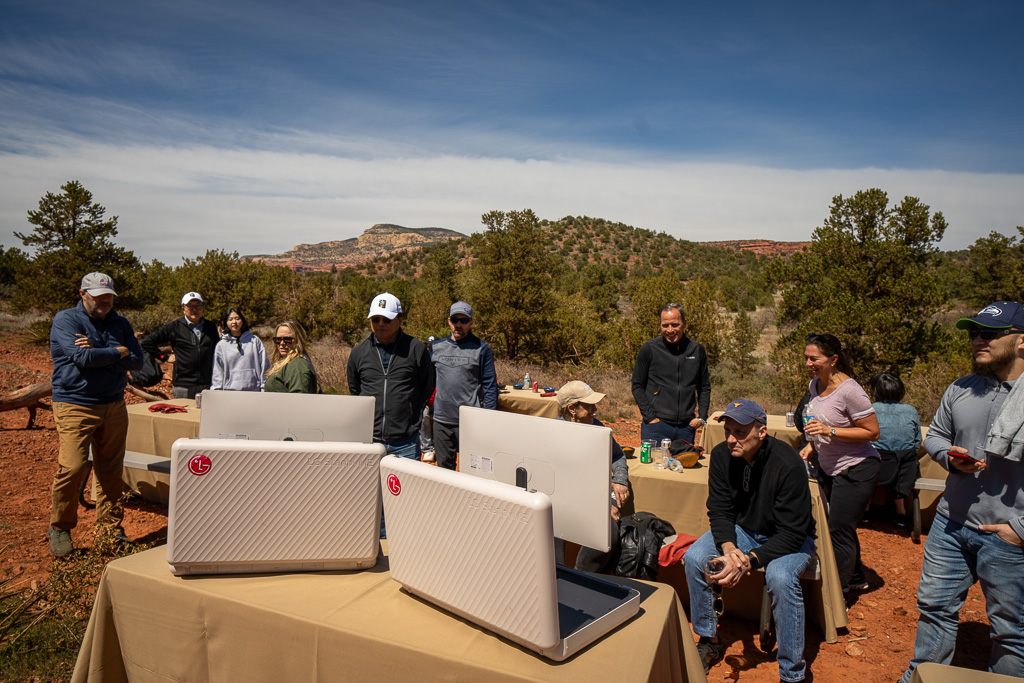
[104, 427]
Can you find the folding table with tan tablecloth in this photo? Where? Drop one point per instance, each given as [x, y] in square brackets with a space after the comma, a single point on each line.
[148, 625]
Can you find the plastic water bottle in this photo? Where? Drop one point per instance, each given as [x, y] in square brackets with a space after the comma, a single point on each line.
[663, 457]
[526, 381]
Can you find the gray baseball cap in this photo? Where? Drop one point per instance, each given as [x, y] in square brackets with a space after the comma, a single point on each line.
[98, 283]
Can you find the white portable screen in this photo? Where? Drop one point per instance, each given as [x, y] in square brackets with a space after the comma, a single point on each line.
[484, 551]
[481, 557]
[570, 462]
[263, 506]
[272, 416]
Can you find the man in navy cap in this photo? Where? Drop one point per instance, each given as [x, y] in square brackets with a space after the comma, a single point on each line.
[759, 506]
[978, 532]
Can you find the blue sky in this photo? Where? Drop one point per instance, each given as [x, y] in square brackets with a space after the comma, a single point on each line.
[254, 126]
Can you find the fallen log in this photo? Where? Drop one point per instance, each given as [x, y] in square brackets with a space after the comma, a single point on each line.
[26, 397]
[145, 394]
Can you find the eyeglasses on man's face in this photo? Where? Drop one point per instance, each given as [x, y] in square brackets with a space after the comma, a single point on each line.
[989, 334]
[460, 321]
[380, 320]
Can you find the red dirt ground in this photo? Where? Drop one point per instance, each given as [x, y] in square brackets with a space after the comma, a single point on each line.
[875, 647]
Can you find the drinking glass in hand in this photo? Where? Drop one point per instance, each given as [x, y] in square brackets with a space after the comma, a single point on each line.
[713, 566]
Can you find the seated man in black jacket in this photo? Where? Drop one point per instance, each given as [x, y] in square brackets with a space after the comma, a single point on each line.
[192, 339]
[759, 506]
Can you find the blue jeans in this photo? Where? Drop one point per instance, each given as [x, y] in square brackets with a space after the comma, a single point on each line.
[406, 448]
[782, 576]
[663, 430]
[954, 558]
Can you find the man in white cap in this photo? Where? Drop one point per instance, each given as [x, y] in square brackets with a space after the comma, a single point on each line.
[192, 339]
[93, 349]
[394, 368]
[465, 377]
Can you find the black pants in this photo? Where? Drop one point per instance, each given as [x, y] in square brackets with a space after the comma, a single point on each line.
[446, 444]
[848, 494]
[899, 471]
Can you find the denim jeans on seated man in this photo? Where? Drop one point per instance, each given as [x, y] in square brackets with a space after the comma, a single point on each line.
[955, 557]
[782, 576]
[406, 448]
[657, 431]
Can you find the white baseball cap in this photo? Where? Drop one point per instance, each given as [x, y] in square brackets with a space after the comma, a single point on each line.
[386, 305]
[190, 296]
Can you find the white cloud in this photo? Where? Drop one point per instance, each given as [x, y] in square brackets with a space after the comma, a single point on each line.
[179, 201]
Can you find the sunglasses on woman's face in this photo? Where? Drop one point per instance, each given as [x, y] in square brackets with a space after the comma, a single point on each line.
[284, 340]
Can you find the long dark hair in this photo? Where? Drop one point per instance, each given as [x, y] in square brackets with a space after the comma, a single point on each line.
[245, 325]
[831, 346]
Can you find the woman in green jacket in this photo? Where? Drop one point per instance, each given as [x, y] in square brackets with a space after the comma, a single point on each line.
[291, 370]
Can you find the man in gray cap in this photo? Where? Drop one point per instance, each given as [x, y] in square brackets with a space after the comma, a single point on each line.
[464, 366]
[93, 349]
[759, 506]
[978, 532]
[192, 339]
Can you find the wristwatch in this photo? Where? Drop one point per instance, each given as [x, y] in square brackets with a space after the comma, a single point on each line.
[703, 422]
[833, 431]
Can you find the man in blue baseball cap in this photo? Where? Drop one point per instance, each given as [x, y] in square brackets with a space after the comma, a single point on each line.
[978, 532]
[759, 506]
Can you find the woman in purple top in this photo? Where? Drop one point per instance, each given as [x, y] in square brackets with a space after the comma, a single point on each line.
[840, 424]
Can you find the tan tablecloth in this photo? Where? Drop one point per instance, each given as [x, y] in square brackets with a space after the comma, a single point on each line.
[153, 434]
[938, 673]
[527, 403]
[147, 625]
[681, 499]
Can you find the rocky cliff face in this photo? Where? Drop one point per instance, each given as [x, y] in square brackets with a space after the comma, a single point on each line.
[380, 240]
[765, 247]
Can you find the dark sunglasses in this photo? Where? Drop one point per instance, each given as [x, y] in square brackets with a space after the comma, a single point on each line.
[460, 321]
[989, 335]
[380, 320]
[282, 340]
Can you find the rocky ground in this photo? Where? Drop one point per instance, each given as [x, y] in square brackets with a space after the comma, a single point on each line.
[875, 647]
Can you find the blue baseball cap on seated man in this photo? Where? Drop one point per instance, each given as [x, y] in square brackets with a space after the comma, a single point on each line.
[744, 411]
[998, 315]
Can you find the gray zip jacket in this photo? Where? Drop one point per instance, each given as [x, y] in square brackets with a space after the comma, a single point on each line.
[465, 377]
[995, 495]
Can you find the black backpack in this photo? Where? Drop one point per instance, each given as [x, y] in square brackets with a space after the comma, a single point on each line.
[640, 538]
[149, 375]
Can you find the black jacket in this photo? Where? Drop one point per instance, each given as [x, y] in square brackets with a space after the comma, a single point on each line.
[401, 393]
[778, 503]
[193, 361]
[671, 381]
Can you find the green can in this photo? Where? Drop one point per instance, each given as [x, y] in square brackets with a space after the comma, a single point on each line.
[645, 451]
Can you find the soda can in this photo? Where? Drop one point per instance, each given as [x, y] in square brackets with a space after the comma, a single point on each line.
[536, 387]
[791, 419]
[199, 399]
[645, 451]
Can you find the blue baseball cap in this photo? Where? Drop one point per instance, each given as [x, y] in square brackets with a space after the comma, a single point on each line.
[744, 411]
[998, 315]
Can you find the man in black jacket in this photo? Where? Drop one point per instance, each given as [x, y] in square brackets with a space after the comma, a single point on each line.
[394, 368]
[671, 383]
[192, 339]
[759, 506]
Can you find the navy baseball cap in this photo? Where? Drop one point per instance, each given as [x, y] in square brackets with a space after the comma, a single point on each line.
[744, 411]
[998, 315]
